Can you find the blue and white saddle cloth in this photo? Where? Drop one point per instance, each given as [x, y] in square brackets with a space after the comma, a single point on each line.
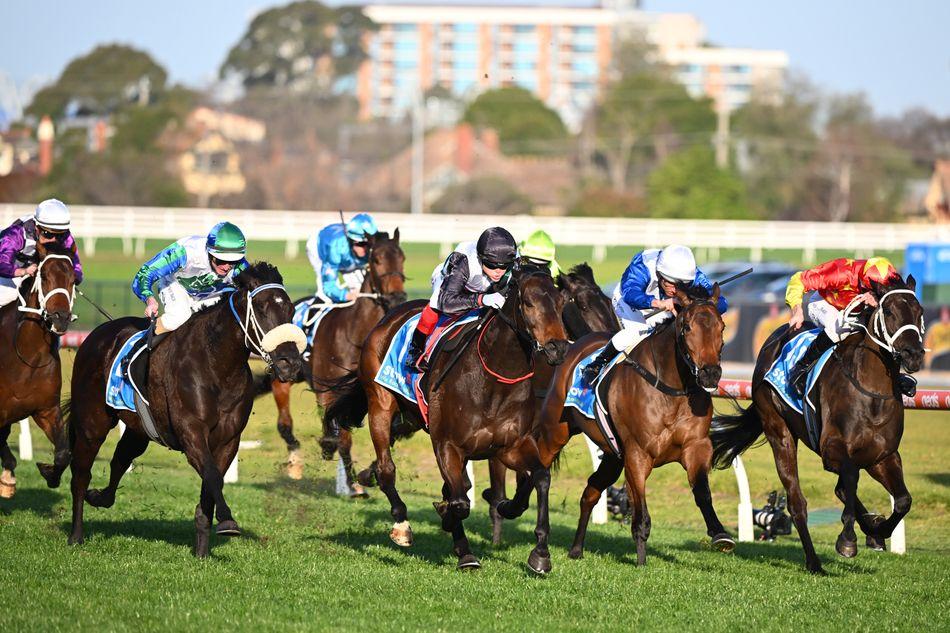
[120, 392]
[589, 400]
[309, 325]
[393, 374]
[781, 369]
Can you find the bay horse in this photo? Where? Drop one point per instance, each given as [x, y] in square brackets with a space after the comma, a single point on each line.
[660, 404]
[200, 390]
[485, 410]
[861, 413]
[30, 378]
[336, 349]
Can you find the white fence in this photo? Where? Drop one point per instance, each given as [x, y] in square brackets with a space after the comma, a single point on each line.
[135, 224]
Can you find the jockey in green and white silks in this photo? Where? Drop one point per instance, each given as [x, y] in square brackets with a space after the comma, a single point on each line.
[538, 248]
[191, 274]
[339, 255]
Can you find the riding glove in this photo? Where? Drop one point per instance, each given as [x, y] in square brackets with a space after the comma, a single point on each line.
[494, 300]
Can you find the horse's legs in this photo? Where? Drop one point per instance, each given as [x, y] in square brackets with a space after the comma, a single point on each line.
[494, 495]
[847, 491]
[51, 421]
[204, 512]
[8, 461]
[85, 447]
[224, 454]
[455, 507]
[205, 463]
[889, 473]
[130, 446]
[785, 450]
[606, 474]
[380, 431]
[345, 449]
[516, 506]
[540, 559]
[285, 427]
[697, 460]
[637, 466]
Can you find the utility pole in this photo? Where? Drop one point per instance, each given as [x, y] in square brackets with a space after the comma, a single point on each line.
[722, 133]
[418, 152]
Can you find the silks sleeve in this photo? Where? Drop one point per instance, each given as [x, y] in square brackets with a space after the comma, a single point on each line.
[165, 263]
[795, 291]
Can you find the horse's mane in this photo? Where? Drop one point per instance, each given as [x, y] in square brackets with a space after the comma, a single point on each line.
[55, 248]
[583, 271]
[696, 292]
[258, 274]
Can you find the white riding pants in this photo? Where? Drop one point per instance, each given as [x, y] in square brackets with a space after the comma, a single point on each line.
[634, 325]
[9, 289]
[179, 305]
[830, 318]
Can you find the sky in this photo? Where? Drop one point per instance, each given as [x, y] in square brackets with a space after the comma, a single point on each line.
[896, 53]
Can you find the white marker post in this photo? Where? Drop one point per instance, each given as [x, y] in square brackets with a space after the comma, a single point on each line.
[471, 477]
[599, 513]
[26, 441]
[746, 532]
[231, 475]
[898, 537]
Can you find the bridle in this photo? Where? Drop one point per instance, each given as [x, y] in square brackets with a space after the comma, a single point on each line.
[43, 297]
[254, 334]
[877, 327]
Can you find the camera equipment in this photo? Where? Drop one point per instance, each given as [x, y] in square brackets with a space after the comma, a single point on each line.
[772, 518]
[617, 502]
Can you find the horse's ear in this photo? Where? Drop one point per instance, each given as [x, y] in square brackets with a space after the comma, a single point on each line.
[396, 235]
[877, 288]
[714, 297]
[911, 283]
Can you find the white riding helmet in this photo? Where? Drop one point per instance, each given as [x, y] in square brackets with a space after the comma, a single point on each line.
[677, 263]
[52, 214]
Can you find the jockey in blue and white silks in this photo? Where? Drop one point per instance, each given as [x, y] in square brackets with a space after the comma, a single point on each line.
[339, 255]
[191, 273]
[649, 284]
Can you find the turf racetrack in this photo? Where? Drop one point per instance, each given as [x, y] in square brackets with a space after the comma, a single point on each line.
[311, 560]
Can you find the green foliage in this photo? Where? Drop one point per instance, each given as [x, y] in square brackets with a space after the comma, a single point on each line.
[101, 82]
[483, 195]
[603, 202]
[302, 44]
[689, 185]
[524, 124]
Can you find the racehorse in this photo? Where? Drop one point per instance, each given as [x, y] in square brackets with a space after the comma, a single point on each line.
[200, 390]
[660, 405]
[861, 414]
[336, 348]
[30, 379]
[489, 385]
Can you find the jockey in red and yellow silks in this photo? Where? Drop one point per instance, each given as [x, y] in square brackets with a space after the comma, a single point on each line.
[839, 282]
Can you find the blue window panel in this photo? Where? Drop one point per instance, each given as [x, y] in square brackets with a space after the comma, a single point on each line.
[524, 28]
[406, 64]
[465, 27]
[464, 64]
[586, 66]
[406, 44]
[524, 64]
[741, 69]
[583, 85]
[529, 48]
[460, 46]
[584, 30]
[584, 47]
[404, 28]
[460, 85]
[528, 83]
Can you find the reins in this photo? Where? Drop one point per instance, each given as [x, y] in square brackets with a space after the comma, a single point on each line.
[250, 323]
[502, 379]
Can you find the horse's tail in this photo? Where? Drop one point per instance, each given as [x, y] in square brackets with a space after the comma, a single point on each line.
[350, 405]
[733, 434]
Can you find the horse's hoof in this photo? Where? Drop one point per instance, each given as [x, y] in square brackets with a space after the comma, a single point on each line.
[7, 484]
[507, 510]
[76, 540]
[328, 446]
[228, 528]
[295, 465]
[539, 563]
[723, 542]
[367, 478]
[49, 474]
[401, 534]
[99, 499]
[576, 553]
[441, 507]
[817, 571]
[468, 563]
[357, 491]
[875, 543]
[846, 548]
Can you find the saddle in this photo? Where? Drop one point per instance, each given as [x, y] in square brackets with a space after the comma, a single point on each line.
[135, 367]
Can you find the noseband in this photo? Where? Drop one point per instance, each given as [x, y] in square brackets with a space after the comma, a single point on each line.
[44, 297]
[255, 338]
[877, 331]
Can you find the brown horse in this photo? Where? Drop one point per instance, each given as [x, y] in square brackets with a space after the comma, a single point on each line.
[861, 413]
[200, 390]
[660, 404]
[488, 386]
[31, 382]
[336, 349]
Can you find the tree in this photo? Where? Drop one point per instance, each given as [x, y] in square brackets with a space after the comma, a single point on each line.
[483, 196]
[689, 185]
[303, 45]
[102, 82]
[651, 114]
[524, 124]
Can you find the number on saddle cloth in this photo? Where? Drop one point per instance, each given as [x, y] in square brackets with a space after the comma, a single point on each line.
[308, 315]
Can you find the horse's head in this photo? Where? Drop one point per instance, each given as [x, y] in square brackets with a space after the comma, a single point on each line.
[265, 311]
[385, 276]
[594, 306]
[898, 322]
[540, 307]
[699, 329]
[53, 291]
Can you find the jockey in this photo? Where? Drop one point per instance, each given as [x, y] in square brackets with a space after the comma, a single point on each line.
[649, 284]
[476, 274]
[539, 249]
[191, 274]
[839, 282]
[339, 255]
[18, 259]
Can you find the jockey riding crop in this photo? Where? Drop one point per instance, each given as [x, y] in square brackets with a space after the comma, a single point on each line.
[725, 281]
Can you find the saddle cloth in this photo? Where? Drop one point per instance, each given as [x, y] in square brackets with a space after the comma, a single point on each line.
[781, 369]
[307, 316]
[591, 401]
[120, 390]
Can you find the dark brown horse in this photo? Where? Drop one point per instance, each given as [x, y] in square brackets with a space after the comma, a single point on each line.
[200, 388]
[861, 413]
[660, 404]
[484, 409]
[336, 349]
[30, 380]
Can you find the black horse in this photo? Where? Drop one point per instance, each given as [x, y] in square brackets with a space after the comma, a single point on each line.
[200, 391]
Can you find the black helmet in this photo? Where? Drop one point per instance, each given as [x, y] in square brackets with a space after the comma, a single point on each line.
[496, 248]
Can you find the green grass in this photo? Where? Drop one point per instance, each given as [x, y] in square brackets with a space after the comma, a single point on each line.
[310, 560]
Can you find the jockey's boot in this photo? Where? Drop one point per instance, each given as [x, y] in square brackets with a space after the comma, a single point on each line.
[593, 369]
[417, 347]
[799, 374]
[907, 385]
